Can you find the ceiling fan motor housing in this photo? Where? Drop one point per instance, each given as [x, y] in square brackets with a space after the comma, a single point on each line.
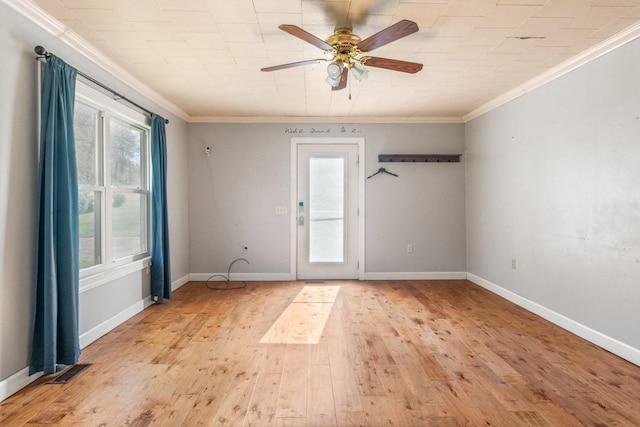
[345, 43]
[343, 40]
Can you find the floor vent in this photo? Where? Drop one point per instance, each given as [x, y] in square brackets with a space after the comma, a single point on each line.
[69, 373]
[314, 282]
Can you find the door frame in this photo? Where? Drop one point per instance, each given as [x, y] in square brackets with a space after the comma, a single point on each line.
[295, 142]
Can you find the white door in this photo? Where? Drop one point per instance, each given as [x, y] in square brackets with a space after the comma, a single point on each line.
[327, 211]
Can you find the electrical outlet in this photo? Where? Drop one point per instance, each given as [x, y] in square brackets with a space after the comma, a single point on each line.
[245, 249]
[281, 210]
[409, 248]
[513, 264]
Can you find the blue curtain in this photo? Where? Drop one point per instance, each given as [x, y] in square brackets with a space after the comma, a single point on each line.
[55, 332]
[160, 265]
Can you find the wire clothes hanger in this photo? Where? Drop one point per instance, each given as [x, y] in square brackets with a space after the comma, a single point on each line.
[382, 170]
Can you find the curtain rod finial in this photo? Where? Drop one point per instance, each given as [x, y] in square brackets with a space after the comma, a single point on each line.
[41, 51]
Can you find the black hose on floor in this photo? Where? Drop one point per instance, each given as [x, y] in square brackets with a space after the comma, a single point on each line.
[227, 277]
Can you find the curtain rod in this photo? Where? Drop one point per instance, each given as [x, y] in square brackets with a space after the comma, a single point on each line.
[42, 53]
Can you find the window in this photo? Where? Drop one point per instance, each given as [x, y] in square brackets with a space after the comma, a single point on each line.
[113, 182]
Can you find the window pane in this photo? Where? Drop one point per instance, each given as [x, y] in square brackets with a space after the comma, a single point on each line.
[113, 164]
[89, 227]
[326, 209]
[126, 146]
[128, 224]
[85, 128]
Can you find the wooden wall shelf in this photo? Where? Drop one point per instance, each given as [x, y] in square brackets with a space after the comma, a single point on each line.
[419, 158]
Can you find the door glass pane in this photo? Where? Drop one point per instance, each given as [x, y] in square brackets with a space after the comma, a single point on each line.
[326, 209]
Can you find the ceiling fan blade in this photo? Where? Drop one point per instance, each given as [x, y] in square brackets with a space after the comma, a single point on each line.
[343, 80]
[292, 64]
[306, 36]
[396, 31]
[391, 64]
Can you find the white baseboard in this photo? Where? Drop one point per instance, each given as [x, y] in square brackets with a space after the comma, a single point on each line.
[610, 344]
[22, 378]
[111, 323]
[179, 282]
[286, 277]
[247, 277]
[16, 382]
[435, 275]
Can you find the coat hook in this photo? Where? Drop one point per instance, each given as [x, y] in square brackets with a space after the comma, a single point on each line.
[382, 170]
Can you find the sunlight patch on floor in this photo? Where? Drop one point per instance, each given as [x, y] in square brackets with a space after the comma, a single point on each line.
[303, 321]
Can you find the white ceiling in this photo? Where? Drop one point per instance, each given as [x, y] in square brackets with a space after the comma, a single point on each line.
[204, 56]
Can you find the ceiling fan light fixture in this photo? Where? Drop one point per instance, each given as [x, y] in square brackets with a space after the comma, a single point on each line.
[333, 82]
[343, 50]
[334, 70]
[359, 71]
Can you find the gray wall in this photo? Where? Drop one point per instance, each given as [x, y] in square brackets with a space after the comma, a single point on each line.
[552, 181]
[234, 192]
[18, 187]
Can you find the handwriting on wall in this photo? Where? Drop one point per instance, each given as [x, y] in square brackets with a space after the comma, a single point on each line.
[341, 130]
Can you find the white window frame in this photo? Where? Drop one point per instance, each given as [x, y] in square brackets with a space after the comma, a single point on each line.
[109, 268]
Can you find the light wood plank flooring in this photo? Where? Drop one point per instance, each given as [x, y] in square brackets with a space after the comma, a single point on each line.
[402, 353]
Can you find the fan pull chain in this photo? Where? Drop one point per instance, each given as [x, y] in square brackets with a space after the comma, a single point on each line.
[350, 81]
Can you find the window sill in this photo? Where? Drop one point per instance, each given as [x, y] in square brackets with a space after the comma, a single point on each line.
[104, 277]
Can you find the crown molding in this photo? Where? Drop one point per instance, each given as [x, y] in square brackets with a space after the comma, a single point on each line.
[571, 64]
[39, 17]
[321, 119]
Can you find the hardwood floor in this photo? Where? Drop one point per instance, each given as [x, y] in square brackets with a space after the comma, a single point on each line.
[440, 353]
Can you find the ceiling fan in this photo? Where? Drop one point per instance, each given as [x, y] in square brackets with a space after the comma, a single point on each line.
[345, 51]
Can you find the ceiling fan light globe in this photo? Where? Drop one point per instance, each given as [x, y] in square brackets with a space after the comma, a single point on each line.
[334, 69]
[333, 82]
[359, 71]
